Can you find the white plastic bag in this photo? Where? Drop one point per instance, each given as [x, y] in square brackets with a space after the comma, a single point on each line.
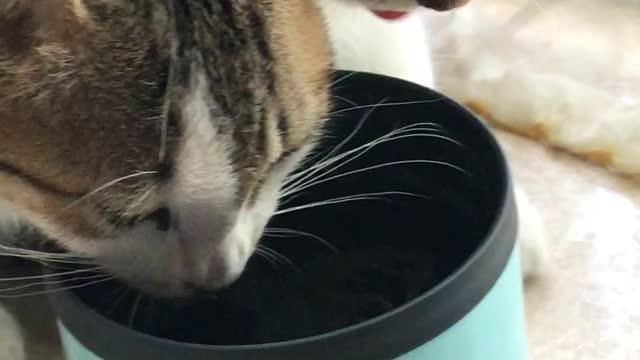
[562, 71]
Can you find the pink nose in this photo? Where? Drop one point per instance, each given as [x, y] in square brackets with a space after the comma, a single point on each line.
[213, 273]
[442, 5]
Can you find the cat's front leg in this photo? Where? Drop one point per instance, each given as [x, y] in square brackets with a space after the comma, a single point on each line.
[531, 241]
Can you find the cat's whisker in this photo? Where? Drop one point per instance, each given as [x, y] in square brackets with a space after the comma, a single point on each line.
[164, 126]
[274, 256]
[355, 131]
[45, 292]
[304, 175]
[343, 78]
[389, 136]
[118, 300]
[134, 309]
[383, 165]
[43, 260]
[106, 186]
[8, 248]
[52, 282]
[363, 119]
[352, 103]
[297, 174]
[45, 276]
[324, 159]
[171, 79]
[266, 257]
[148, 311]
[41, 257]
[64, 267]
[339, 146]
[344, 199]
[277, 256]
[310, 170]
[141, 199]
[416, 102]
[291, 189]
[275, 232]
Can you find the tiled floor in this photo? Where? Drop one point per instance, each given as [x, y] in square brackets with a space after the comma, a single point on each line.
[588, 306]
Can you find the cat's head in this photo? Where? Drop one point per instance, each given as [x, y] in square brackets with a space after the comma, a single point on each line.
[153, 136]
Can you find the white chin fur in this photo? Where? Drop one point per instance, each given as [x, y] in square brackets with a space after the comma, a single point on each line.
[11, 340]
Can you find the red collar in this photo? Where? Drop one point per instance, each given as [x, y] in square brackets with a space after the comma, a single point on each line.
[390, 15]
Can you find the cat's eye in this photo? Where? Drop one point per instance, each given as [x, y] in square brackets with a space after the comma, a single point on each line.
[162, 218]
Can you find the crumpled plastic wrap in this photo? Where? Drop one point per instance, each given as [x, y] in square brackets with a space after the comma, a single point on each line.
[566, 72]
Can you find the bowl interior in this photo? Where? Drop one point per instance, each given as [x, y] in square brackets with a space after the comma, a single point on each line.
[394, 199]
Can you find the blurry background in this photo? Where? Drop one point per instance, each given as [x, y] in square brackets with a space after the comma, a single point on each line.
[566, 72]
[560, 80]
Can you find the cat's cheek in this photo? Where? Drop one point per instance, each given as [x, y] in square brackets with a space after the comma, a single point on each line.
[253, 219]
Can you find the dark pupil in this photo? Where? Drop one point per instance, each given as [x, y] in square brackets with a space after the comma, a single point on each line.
[162, 217]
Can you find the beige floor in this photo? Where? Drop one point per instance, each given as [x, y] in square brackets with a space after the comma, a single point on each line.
[588, 306]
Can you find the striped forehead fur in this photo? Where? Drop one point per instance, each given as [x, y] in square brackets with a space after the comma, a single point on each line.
[85, 97]
[228, 41]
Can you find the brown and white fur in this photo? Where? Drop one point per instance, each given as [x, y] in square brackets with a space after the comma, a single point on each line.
[153, 136]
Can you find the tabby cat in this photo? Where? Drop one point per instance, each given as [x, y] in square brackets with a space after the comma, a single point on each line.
[153, 136]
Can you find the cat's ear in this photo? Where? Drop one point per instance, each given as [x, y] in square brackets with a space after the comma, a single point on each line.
[442, 5]
[16, 25]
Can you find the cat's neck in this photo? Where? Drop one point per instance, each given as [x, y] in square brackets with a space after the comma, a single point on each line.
[363, 41]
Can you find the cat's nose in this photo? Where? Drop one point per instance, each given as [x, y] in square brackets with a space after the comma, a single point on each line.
[217, 275]
[442, 5]
[211, 254]
[211, 263]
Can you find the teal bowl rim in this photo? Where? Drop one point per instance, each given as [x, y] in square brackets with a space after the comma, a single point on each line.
[479, 272]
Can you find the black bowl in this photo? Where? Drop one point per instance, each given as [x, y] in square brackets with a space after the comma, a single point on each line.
[420, 225]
